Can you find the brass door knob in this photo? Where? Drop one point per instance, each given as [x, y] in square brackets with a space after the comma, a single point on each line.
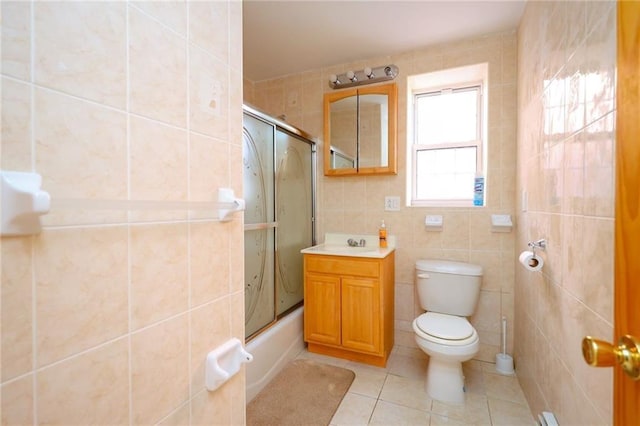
[598, 353]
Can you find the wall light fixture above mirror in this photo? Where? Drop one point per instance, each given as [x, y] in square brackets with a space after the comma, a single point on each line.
[366, 76]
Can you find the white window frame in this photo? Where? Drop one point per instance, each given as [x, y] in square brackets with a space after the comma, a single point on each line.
[444, 84]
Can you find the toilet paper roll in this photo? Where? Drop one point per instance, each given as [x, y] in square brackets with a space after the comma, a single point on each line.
[531, 261]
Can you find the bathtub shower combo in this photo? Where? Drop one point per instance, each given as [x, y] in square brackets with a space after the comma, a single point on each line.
[279, 163]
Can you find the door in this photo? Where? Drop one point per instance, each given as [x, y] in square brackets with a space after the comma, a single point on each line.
[322, 309]
[259, 223]
[626, 391]
[294, 214]
[361, 314]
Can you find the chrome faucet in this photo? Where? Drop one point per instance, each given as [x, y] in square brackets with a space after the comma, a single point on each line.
[354, 243]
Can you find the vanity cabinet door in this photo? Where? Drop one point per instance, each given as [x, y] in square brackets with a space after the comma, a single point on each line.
[322, 309]
[361, 314]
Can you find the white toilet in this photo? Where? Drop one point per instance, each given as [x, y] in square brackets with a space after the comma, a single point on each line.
[449, 292]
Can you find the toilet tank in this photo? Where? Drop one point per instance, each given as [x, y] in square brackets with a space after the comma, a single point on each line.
[448, 287]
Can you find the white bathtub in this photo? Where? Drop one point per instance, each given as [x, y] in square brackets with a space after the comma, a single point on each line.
[272, 350]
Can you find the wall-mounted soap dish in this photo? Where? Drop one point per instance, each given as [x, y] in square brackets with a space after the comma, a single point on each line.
[501, 223]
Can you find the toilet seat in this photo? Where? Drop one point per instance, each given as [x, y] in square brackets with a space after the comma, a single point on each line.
[445, 329]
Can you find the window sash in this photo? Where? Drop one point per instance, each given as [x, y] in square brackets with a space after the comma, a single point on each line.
[440, 92]
[414, 184]
[416, 147]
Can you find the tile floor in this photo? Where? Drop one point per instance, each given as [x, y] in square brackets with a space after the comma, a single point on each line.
[395, 395]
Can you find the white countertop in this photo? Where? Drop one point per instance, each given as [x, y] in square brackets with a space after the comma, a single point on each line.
[335, 244]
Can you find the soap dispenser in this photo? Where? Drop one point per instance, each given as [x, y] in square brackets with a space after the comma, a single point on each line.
[382, 235]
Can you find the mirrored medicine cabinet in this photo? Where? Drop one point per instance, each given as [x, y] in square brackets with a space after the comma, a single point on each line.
[360, 128]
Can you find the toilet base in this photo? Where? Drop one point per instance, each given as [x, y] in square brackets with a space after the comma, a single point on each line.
[445, 381]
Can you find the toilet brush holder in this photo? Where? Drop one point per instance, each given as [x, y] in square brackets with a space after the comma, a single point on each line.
[504, 364]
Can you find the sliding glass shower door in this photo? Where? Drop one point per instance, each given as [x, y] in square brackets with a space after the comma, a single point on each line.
[278, 189]
[259, 223]
[294, 213]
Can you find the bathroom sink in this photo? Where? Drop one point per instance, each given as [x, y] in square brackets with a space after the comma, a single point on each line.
[336, 245]
[350, 250]
[338, 250]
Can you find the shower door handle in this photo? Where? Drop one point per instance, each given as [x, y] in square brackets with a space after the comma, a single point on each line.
[598, 353]
[258, 226]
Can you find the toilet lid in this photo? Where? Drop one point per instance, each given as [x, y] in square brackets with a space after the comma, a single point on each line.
[449, 327]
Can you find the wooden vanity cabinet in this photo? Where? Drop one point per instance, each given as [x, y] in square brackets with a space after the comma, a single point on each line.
[348, 307]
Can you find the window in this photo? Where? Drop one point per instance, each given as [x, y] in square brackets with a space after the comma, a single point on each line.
[446, 146]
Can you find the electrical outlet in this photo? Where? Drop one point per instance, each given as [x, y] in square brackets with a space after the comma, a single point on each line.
[392, 204]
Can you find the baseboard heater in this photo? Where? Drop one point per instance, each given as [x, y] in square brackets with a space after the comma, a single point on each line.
[547, 418]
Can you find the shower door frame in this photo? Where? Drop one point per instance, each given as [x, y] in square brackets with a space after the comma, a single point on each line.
[304, 138]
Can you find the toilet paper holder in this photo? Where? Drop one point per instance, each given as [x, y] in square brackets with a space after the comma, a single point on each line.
[541, 244]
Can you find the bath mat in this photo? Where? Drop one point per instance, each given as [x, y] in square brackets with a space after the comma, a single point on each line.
[305, 392]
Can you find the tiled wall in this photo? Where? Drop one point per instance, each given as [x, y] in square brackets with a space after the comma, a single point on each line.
[566, 87]
[356, 204]
[107, 316]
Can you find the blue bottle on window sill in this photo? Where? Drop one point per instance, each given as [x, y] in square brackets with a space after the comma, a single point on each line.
[478, 191]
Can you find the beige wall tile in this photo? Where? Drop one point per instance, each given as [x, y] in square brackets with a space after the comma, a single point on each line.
[17, 402]
[599, 171]
[208, 167]
[81, 284]
[236, 258]
[220, 407]
[569, 180]
[208, 331]
[600, 66]
[158, 161]
[80, 147]
[209, 27]
[159, 272]
[487, 315]
[597, 264]
[16, 133]
[17, 307]
[91, 388]
[208, 94]
[159, 369]
[235, 38]
[209, 262]
[179, 417]
[173, 14]
[404, 302]
[157, 72]
[16, 39]
[80, 49]
[456, 233]
[237, 314]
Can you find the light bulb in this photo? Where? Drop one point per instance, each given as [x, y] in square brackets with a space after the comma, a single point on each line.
[351, 76]
[368, 72]
[333, 78]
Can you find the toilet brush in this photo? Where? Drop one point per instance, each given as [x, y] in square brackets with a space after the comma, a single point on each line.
[504, 362]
